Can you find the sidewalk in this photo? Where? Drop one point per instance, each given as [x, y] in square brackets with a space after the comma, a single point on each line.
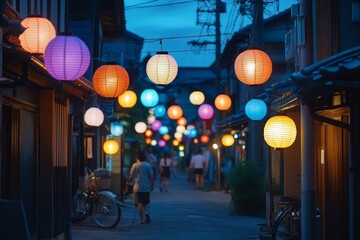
[181, 213]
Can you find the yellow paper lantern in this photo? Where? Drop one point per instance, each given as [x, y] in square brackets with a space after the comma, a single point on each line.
[127, 99]
[174, 112]
[161, 68]
[39, 32]
[280, 132]
[253, 67]
[197, 97]
[222, 102]
[227, 140]
[111, 147]
[110, 80]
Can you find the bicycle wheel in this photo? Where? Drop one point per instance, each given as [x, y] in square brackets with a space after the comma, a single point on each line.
[79, 206]
[287, 226]
[107, 211]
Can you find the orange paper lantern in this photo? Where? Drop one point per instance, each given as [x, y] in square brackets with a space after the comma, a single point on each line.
[39, 32]
[175, 112]
[253, 67]
[110, 80]
[222, 102]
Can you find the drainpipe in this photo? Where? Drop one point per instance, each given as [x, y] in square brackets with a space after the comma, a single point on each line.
[308, 208]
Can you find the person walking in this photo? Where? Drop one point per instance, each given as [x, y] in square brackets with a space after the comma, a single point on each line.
[142, 174]
[166, 164]
[198, 166]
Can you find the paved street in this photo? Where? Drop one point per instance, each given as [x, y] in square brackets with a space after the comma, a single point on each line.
[181, 213]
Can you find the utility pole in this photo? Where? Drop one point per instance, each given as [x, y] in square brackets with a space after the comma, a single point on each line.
[215, 7]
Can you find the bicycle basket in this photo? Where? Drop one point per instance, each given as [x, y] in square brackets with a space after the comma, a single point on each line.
[101, 180]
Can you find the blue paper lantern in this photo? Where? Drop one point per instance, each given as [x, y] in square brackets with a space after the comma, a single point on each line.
[255, 109]
[192, 132]
[159, 110]
[149, 98]
[116, 129]
[164, 130]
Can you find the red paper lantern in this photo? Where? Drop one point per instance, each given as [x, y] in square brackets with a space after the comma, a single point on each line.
[110, 80]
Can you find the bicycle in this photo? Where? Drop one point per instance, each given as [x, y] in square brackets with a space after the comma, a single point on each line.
[93, 198]
[287, 223]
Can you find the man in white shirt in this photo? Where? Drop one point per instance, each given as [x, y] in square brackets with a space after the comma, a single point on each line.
[198, 165]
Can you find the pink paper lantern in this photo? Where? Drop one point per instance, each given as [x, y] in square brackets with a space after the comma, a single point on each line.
[206, 111]
[162, 143]
[156, 125]
[66, 58]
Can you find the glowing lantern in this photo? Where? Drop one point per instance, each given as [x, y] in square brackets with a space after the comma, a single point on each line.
[161, 68]
[192, 132]
[280, 132]
[127, 99]
[164, 130]
[66, 58]
[253, 67]
[166, 137]
[156, 125]
[148, 140]
[162, 143]
[149, 98]
[174, 112]
[110, 80]
[175, 142]
[204, 139]
[111, 147]
[223, 102]
[140, 127]
[116, 129]
[182, 121]
[148, 133]
[159, 110]
[197, 98]
[39, 32]
[94, 117]
[255, 109]
[227, 140]
[206, 111]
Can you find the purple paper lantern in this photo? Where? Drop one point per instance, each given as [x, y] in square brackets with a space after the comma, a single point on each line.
[156, 125]
[206, 111]
[162, 143]
[66, 58]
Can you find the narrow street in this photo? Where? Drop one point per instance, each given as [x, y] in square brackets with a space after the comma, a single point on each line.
[181, 213]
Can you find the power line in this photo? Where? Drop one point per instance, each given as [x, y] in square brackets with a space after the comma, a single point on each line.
[140, 5]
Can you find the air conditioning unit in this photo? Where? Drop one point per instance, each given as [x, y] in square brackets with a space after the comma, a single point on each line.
[290, 46]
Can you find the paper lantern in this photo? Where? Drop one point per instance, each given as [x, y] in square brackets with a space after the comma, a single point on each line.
[148, 133]
[174, 112]
[204, 138]
[156, 125]
[39, 32]
[159, 110]
[280, 132]
[255, 109]
[140, 127]
[161, 68]
[197, 97]
[94, 117]
[161, 143]
[182, 121]
[111, 147]
[253, 67]
[66, 58]
[149, 98]
[227, 140]
[110, 80]
[166, 137]
[192, 132]
[222, 102]
[175, 142]
[148, 140]
[163, 130]
[116, 129]
[127, 99]
[206, 111]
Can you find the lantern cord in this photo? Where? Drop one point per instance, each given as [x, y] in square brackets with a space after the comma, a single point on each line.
[161, 44]
[36, 10]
